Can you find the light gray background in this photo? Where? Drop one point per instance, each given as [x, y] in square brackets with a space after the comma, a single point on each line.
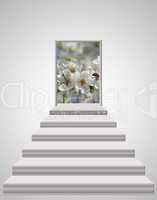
[128, 29]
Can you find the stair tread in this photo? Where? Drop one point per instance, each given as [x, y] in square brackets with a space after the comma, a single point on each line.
[107, 180]
[77, 145]
[78, 162]
[78, 107]
[78, 131]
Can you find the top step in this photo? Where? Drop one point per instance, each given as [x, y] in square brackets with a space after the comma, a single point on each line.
[78, 109]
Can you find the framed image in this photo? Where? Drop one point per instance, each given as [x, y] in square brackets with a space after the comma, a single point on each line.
[78, 72]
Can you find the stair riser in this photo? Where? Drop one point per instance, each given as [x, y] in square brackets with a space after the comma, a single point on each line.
[74, 153]
[78, 124]
[77, 138]
[78, 171]
[78, 112]
[79, 189]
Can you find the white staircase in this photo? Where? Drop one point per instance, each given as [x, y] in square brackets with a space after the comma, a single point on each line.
[78, 150]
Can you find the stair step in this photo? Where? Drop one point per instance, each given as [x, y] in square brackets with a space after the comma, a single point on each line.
[79, 134]
[77, 149]
[78, 184]
[78, 109]
[78, 166]
[78, 121]
[78, 112]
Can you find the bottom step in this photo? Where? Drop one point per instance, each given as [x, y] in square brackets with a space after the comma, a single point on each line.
[78, 184]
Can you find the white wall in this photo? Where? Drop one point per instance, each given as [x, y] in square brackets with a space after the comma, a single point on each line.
[128, 29]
